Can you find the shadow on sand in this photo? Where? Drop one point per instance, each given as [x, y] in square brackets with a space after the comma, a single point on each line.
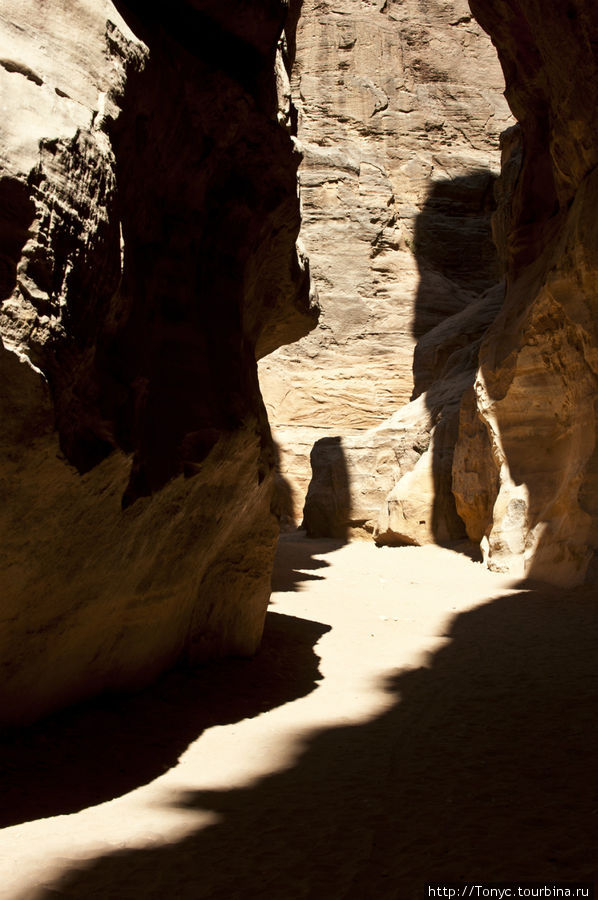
[483, 767]
[296, 560]
[98, 751]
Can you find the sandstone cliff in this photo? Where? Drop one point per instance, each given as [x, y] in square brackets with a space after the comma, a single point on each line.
[519, 399]
[400, 109]
[148, 224]
[526, 468]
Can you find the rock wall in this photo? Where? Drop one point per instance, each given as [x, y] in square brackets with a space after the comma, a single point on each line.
[148, 224]
[526, 468]
[400, 109]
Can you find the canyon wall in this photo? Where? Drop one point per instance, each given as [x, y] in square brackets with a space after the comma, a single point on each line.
[148, 225]
[148, 254]
[526, 466]
[400, 110]
[494, 437]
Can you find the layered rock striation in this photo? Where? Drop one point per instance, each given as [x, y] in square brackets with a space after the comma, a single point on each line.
[400, 109]
[526, 469]
[501, 427]
[400, 112]
[148, 231]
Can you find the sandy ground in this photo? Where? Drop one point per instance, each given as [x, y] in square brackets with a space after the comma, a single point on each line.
[411, 718]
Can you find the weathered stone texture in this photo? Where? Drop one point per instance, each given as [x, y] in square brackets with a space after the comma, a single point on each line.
[394, 481]
[400, 109]
[527, 442]
[147, 235]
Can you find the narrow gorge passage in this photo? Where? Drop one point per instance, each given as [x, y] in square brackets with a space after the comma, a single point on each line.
[399, 111]
[410, 715]
[397, 727]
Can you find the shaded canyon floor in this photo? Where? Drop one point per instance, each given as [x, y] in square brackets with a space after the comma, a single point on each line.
[411, 717]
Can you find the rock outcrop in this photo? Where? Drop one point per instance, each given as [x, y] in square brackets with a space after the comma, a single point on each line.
[394, 481]
[518, 399]
[526, 467]
[400, 109]
[149, 215]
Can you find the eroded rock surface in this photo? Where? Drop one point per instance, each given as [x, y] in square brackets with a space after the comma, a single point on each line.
[526, 468]
[400, 109]
[148, 223]
[394, 481]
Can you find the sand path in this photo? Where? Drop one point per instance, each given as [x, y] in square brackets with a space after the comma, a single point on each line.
[411, 717]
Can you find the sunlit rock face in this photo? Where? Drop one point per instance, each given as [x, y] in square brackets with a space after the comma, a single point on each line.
[400, 109]
[526, 467]
[148, 220]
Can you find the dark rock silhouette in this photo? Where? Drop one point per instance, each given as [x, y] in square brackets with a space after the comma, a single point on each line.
[150, 258]
[327, 511]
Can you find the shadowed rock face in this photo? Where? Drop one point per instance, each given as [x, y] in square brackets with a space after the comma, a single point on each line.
[524, 474]
[400, 109]
[147, 240]
[528, 431]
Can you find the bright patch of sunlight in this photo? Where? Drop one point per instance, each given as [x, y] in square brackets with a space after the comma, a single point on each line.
[388, 610]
